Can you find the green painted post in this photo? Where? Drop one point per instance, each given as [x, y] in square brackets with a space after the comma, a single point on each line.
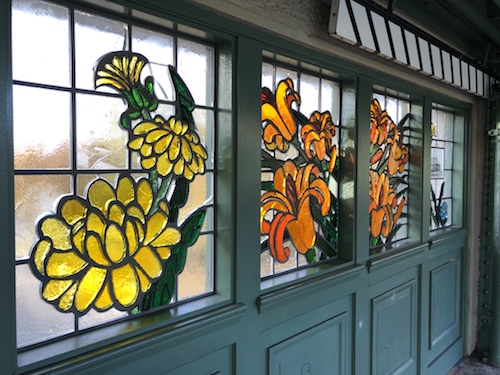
[8, 350]
[495, 284]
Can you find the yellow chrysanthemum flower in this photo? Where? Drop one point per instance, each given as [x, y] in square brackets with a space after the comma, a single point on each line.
[170, 147]
[121, 71]
[104, 251]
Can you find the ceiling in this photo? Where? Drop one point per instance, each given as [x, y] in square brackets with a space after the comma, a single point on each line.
[472, 27]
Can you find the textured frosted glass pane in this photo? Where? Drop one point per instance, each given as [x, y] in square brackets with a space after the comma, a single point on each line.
[391, 106]
[267, 75]
[282, 73]
[291, 263]
[200, 190]
[40, 42]
[330, 99]
[196, 68]
[196, 278]
[100, 139]
[403, 109]
[34, 196]
[158, 49]
[37, 320]
[94, 318]
[42, 123]
[448, 125]
[204, 120]
[95, 36]
[448, 155]
[266, 264]
[309, 94]
[208, 224]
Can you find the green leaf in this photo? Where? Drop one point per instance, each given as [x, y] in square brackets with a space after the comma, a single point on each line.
[311, 256]
[162, 290]
[179, 198]
[191, 228]
[183, 95]
[326, 247]
[299, 117]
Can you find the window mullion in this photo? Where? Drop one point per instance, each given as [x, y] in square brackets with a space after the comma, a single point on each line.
[7, 258]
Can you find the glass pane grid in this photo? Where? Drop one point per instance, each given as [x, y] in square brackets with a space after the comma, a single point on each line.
[389, 170]
[74, 147]
[299, 198]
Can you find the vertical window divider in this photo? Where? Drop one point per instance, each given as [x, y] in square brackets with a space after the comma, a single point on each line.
[362, 168]
[426, 170]
[7, 256]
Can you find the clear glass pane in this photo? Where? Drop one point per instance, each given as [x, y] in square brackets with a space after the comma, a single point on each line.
[95, 36]
[159, 50]
[40, 42]
[195, 66]
[100, 139]
[42, 123]
[196, 278]
[34, 196]
[37, 321]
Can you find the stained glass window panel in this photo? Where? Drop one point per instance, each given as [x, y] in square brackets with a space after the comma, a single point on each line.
[115, 199]
[389, 170]
[299, 173]
[446, 167]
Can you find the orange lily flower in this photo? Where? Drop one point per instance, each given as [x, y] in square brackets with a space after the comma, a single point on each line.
[318, 134]
[291, 202]
[379, 123]
[398, 157]
[383, 201]
[277, 117]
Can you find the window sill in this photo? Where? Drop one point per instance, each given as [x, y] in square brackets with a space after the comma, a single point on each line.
[117, 337]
